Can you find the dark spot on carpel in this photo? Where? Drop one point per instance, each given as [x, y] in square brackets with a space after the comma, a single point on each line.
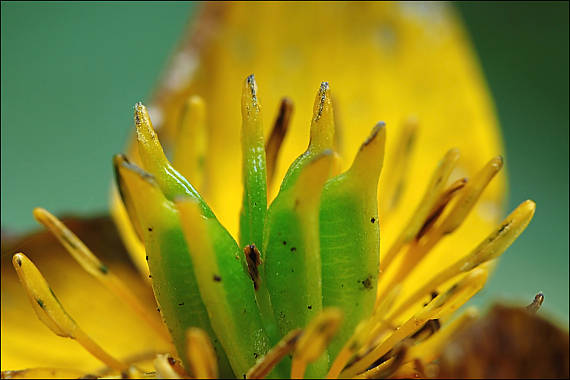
[217, 278]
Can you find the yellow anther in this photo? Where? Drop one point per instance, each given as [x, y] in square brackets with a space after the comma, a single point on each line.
[191, 144]
[470, 194]
[426, 205]
[72, 244]
[96, 268]
[490, 248]
[201, 355]
[274, 356]
[395, 177]
[441, 306]
[50, 311]
[314, 340]
[366, 333]
[430, 349]
[458, 211]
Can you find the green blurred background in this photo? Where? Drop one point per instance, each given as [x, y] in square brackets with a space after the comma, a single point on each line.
[72, 72]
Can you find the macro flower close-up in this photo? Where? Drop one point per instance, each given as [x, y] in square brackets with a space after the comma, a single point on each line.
[311, 190]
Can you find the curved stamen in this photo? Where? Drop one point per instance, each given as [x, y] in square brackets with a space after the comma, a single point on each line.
[466, 199]
[314, 340]
[97, 269]
[442, 305]
[201, 355]
[274, 356]
[419, 216]
[50, 311]
[494, 245]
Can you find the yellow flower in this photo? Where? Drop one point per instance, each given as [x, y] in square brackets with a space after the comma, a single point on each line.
[407, 64]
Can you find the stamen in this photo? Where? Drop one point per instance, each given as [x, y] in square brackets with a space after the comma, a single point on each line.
[441, 306]
[395, 178]
[470, 194]
[430, 349]
[367, 331]
[390, 366]
[96, 268]
[274, 356]
[492, 247]
[314, 340]
[50, 311]
[191, 144]
[426, 205]
[278, 133]
[536, 303]
[164, 368]
[440, 205]
[201, 354]
[467, 198]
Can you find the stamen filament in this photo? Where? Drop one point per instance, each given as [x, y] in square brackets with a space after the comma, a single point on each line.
[367, 331]
[97, 269]
[430, 349]
[50, 311]
[395, 175]
[314, 340]
[442, 305]
[430, 198]
[274, 356]
[466, 200]
[490, 248]
[201, 354]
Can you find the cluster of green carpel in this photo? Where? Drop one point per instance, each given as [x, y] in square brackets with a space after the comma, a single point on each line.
[316, 246]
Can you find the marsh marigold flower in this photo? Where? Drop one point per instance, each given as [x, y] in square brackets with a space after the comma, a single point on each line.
[314, 241]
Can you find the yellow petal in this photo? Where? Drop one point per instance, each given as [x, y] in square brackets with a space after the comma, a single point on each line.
[386, 61]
